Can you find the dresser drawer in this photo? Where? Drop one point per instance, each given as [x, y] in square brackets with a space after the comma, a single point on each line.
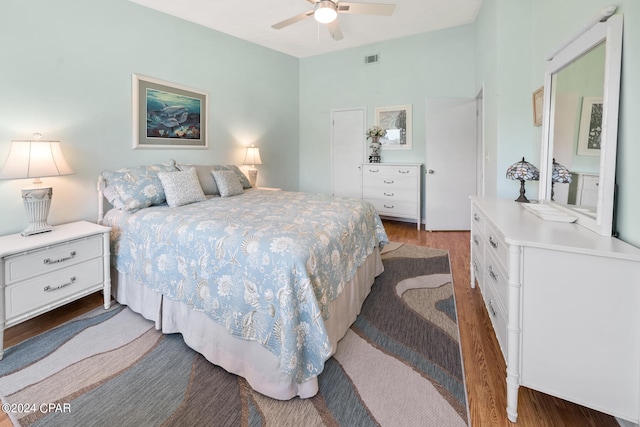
[45, 260]
[498, 279]
[590, 182]
[498, 317]
[383, 207]
[390, 183]
[390, 193]
[497, 246]
[392, 171]
[47, 289]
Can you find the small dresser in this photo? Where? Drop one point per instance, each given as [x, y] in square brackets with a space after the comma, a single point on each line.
[563, 302]
[45, 271]
[393, 188]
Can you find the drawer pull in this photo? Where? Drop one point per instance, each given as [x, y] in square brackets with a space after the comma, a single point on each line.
[54, 261]
[388, 194]
[493, 243]
[493, 274]
[476, 217]
[475, 240]
[374, 171]
[403, 171]
[55, 288]
[389, 207]
[475, 266]
[388, 182]
[491, 309]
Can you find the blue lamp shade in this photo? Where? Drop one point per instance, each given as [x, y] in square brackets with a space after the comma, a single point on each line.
[523, 171]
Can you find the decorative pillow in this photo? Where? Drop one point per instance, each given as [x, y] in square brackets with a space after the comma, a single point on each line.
[182, 187]
[207, 182]
[242, 177]
[137, 187]
[228, 183]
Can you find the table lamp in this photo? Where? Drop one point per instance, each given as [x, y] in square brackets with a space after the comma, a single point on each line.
[559, 174]
[35, 159]
[523, 171]
[252, 158]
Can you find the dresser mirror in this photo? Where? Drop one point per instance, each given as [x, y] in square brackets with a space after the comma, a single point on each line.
[580, 126]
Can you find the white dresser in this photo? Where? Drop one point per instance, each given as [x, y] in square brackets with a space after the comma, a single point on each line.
[393, 188]
[44, 271]
[583, 190]
[565, 306]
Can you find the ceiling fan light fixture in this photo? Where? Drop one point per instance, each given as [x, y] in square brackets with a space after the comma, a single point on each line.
[325, 12]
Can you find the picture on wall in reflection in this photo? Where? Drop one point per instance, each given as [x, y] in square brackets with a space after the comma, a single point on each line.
[590, 135]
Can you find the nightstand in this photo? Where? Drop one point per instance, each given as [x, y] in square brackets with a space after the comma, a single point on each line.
[269, 188]
[45, 271]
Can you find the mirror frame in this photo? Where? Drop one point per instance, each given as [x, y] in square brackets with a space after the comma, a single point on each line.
[609, 32]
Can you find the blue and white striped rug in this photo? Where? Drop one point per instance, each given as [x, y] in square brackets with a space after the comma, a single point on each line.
[398, 365]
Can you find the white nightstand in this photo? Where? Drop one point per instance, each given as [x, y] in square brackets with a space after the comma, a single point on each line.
[44, 271]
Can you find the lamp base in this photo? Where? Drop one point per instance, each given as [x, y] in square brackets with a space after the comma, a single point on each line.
[37, 202]
[522, 198]
[253, 177]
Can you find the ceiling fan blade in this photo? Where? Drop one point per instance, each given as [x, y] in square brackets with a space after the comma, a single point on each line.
[366, 8]
[335, 30]
[292, 20]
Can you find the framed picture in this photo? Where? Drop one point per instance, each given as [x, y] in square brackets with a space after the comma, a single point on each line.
[167, 115]
[397, 122]
[538, 97]
[590, 133]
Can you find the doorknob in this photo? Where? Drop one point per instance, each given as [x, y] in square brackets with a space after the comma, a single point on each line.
[430, 171]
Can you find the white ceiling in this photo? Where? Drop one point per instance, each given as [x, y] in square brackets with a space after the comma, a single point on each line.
[251, 20]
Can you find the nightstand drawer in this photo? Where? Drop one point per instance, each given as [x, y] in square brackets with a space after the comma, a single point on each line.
[45, 260]
[40, 291]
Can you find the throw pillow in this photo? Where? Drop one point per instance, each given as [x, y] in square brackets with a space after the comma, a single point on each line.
[228, 183]
[182, 187]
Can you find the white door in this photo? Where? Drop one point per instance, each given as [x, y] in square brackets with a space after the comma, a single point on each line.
[348, 151]
[450, 162]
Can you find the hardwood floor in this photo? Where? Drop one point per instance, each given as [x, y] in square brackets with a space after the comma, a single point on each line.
[484, 365]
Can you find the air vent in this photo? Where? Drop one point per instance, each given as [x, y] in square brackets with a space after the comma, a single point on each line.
[371, 59]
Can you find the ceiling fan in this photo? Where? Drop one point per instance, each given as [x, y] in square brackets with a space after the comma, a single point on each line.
[326, 12]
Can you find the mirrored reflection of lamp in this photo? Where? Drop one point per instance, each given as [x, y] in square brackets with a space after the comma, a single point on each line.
[325, 11]
[523, 171]
[559, 174]
[35, 159]
[252, 158]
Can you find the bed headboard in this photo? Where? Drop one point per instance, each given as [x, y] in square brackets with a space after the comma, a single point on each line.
[100, 186]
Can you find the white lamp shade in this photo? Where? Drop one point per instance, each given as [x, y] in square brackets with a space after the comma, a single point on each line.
[325, 12]
[34, 159]
[252, 157]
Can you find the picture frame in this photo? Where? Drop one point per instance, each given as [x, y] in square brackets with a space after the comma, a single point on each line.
[537, 98]
[167, 115]
[589, 133]
[397, 121]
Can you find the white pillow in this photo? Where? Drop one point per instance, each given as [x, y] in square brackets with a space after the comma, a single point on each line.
[181, 188]
[228, 183]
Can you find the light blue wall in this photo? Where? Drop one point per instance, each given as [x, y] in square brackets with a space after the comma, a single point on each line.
[411, 69]
[512, 40]
[66, 72]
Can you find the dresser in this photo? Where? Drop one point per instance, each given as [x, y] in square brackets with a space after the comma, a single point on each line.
[44, 271]
[393, 188]
[564, 303]
[583, 190]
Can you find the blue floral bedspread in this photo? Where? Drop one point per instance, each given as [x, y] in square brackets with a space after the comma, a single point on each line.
[265, 264]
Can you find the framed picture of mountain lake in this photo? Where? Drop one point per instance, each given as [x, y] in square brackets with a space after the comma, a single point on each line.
[167, 115]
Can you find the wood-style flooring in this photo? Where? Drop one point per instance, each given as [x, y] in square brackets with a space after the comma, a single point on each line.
[483, 362]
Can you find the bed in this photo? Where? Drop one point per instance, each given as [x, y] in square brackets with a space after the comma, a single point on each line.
[262, 283]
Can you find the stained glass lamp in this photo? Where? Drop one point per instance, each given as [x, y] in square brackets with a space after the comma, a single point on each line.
[523, 171]
[559, 174]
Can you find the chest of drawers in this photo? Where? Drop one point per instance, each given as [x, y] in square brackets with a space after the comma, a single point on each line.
[393, 188]
[563, 302]
[44, 271]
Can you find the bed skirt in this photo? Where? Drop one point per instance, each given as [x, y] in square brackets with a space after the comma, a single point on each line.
[245, 358]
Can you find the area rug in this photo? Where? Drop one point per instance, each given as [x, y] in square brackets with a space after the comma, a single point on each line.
[398, 365]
